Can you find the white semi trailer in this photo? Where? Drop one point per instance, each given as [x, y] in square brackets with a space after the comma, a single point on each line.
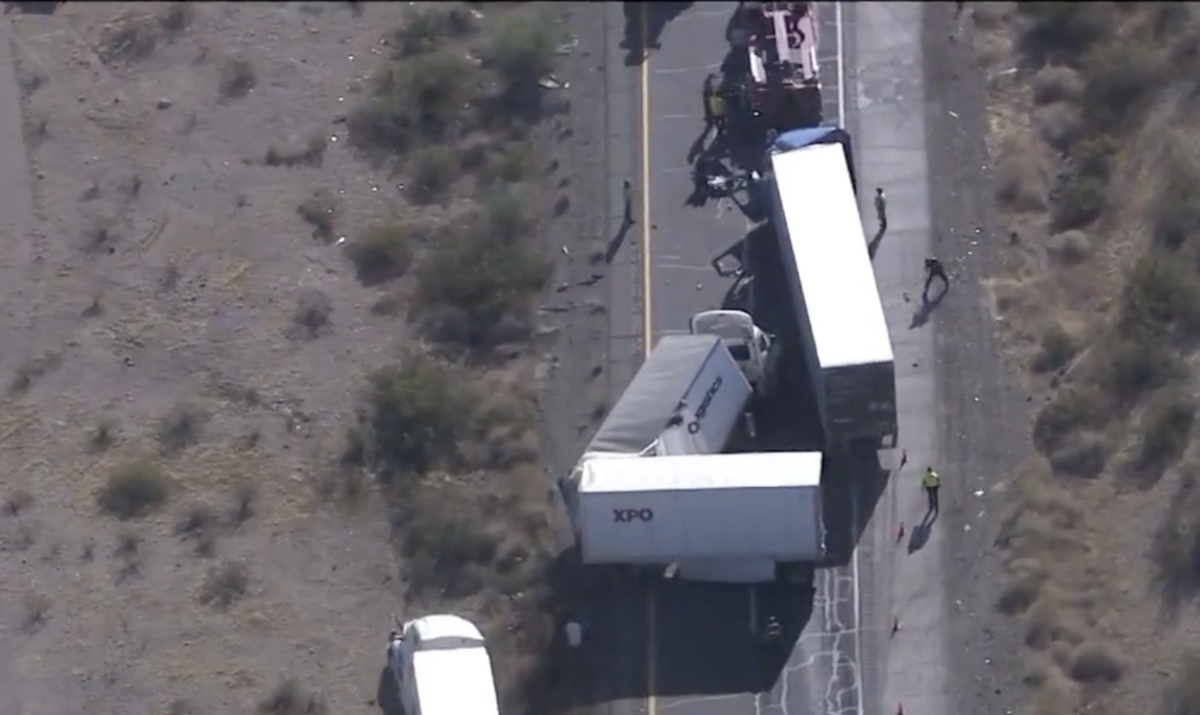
[717, 517]
[842, 329]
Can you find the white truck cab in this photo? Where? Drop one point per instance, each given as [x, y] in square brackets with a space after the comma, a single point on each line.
[749, 344]
[441, 667]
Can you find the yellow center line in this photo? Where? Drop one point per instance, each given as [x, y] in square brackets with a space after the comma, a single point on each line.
[647, 333]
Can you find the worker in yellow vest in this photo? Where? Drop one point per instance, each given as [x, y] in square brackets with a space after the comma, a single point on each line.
[931, 481]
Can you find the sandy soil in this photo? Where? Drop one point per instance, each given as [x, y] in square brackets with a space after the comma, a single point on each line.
[1085, 586]
[166, 270]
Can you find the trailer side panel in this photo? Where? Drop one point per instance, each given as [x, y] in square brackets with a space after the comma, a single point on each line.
[677, 509]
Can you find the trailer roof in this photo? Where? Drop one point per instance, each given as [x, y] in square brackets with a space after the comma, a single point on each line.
[646, 406]
[831, 257]
[761, 470]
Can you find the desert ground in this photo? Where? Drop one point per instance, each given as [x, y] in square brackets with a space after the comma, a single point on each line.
[1094, 128]
[272, 346]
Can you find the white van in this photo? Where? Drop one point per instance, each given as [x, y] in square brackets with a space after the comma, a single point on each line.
[442, 668]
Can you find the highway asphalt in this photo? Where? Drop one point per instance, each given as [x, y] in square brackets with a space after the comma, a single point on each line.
[706, 657]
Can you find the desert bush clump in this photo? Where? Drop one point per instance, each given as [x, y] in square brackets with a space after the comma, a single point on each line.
[1063, 29]
[521, 48]
[445, 542]
[1056, 349]
[1095, 662]
[480, 282]
[1132, 367]
[428, 26]
[180, 428]
[1119, 78]
[133, 490]
[225, 584]
[1056, 83]
[1081, 455]
[414, 103]
[288, 698]
[1070, 248]
[1176, 209]
[237, 79]
[1167, 428]
[1161, 295]
[434, 171]
[384, 251]
[312, 316]
[320, 210]
[1073, 408]
[417, 411]
[1079, 199]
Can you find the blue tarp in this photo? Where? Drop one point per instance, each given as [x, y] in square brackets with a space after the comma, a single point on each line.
[799, 138]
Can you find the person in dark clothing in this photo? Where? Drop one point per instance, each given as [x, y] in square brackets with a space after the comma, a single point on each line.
[627, 197]
[881, 209]
[934, 269]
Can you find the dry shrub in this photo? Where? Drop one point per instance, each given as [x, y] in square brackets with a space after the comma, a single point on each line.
[434, 171]
[479, 283]
[311, 154]
[134, 490]
[1175, 547]
[312, 317]
[384, 252]
[1175, 213]
[418, 412]
[1078, 200]
[448, 543]
[1073, 408]
[236, 79]
[428, 27]
[1167, 429]
[1026, 576]
[1095, 662]
[1133, 366]
[1161, 294]
[417, 102]
[1020, 185]
[1069, 248]
[180, 428]
[1056, 349]
[1064, 29]
[34, 369]
[320, 210]
[225, 584]
[288, 698]
[1057, 83]
[1183, 693]
[1120, 77]
[1080, 455]
[1059, 124]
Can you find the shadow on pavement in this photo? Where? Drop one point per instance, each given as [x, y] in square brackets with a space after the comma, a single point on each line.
[644, 23]
[387, 696]
[928, 305]
[873, 246]
[31, 8]
[920, 535]
[716, 647]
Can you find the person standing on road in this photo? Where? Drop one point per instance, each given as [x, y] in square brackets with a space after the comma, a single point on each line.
[710, 87]
[931, 482]
[627, 197]
[716, 110]
[934, 269]
[881, 209]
